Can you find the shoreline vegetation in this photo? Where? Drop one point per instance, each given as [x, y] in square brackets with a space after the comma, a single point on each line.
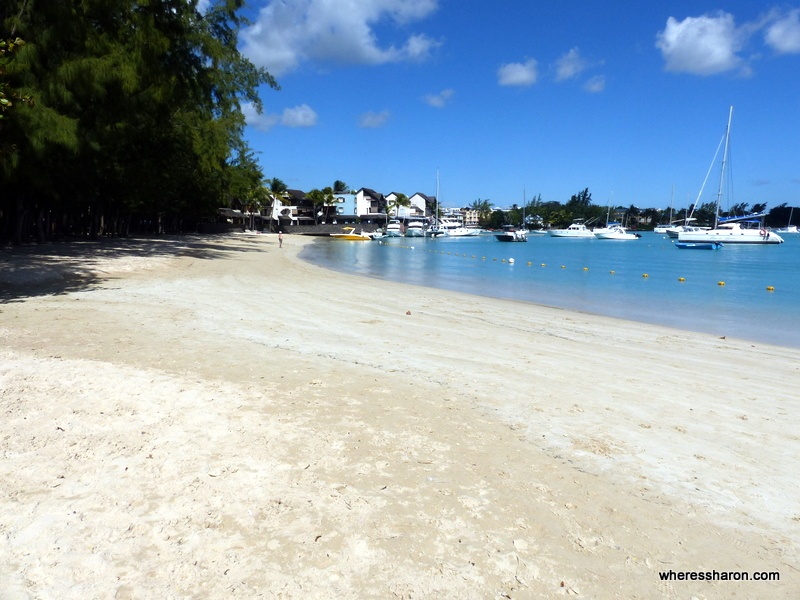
[212, 417]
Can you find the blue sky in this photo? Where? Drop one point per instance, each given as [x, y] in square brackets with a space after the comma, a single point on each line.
[514, 99]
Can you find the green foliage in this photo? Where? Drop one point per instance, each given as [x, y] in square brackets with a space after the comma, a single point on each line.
[496, 220]
[393, 206]
[137, 113]
[484, 210]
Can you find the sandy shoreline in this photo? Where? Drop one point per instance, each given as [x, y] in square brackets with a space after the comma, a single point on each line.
[234, 422]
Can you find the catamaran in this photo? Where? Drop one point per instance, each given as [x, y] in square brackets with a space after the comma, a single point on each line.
[729, 230]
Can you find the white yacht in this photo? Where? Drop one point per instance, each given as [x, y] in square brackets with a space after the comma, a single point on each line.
[394, 229]
[729, 230]
[615, 232]
[576, 230]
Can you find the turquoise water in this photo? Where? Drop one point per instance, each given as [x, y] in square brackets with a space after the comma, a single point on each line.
[603, 277]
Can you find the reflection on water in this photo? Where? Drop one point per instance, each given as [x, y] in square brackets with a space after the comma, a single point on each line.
[638, 280]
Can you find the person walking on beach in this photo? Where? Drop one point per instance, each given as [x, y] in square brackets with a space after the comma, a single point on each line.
[280, 239]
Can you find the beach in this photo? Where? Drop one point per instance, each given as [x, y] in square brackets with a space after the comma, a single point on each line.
[212, 417]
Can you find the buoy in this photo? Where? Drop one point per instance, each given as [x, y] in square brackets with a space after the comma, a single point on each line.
[563, 267]
[511, 260]
[483, 258]
[720, 283]
[612, 272]
[529, 263]
[504, 260]
[585, 268]
[770, 288]
[645, 275]
[544, 265]
[681, 279]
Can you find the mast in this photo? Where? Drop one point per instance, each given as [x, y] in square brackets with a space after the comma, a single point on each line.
[436, 215]
[722, 170]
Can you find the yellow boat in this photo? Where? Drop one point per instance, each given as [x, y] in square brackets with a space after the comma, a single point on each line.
[349, 233]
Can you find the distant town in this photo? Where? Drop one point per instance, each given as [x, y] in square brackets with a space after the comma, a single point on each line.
[292, 210]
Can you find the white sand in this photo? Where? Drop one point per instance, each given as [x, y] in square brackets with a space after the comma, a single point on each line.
[233, 422]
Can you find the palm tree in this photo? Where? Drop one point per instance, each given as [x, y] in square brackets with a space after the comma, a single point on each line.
[484, 210]
[339, 187]
[399, 200]
[277, 192]
[328, 200]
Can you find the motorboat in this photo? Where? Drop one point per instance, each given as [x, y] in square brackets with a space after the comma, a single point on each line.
[698, 245]
[415, 228]
[674, 231]
[575, 230]
[454, 228]
[350, 234]
[394, 229]
[615, 232]
[512, 235]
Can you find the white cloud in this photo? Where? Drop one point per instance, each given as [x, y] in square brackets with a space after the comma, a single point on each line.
[701, 45]
[261, 122]
[439, 100]
[570, 65]
[299, 116]
[596, 84]
[518, 74]
[290, 32]
[784, 34]
[372, 120]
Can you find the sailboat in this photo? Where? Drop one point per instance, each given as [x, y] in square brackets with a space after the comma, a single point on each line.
[670, 224]
[789, 227]
[510, 233]
[435, 230]
[729, 230]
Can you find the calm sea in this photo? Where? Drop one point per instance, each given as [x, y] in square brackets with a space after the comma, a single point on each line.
[647, 280]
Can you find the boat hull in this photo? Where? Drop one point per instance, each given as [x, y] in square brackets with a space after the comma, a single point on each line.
[617, 236]
[564, 233]
[698, 245]
[510, 237]
[736, 236]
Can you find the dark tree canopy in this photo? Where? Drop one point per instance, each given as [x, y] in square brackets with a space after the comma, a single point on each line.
[134, 116]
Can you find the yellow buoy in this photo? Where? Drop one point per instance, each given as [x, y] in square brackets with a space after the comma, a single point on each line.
[612, 272]
[544, 265]
[770, 288]
[645, 275]
[681, 279]
[504, 260]
[563, 266]
[720, 283]
[585, 268]
[529, 263]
